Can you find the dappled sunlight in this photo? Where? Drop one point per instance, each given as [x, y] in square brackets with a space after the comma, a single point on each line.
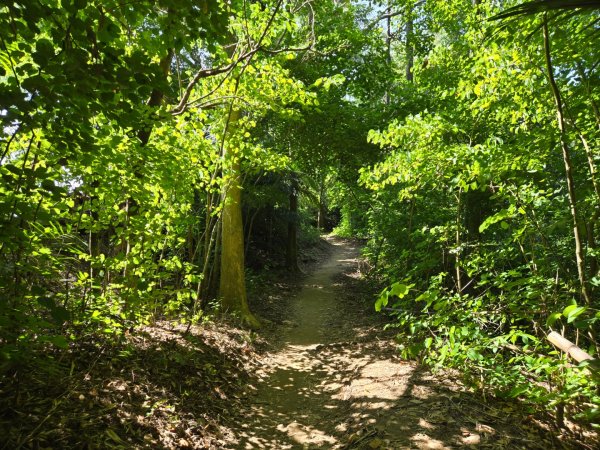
[333, 380]
[300, 224]
[307, 435]
[347, 261]
[161, 387]
[334, 383]
[422, 441]
[381, 379]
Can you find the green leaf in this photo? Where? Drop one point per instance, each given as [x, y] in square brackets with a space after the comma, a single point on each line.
[568, 309]
[48, 185]
[518, 390]
[427, 343]
[583, 324]
[114, 436]
[382, 301]
[108, 32]
[58, 341]
[575, 313]
[398, 289]
[571, 312]
[498, 217]
[60, 314]
[553, 318]
[473, 354]
[46, 302]
[44, 50]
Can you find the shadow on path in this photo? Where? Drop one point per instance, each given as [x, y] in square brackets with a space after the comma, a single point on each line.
[335, 381]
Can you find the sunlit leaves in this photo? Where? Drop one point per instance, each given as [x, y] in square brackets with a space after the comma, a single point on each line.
[399, 290]
[469, 201]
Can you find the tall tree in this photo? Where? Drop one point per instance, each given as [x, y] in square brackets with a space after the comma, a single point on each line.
[232, 289]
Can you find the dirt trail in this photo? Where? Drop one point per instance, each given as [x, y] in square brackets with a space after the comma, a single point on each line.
[336, 382]
[326, 376]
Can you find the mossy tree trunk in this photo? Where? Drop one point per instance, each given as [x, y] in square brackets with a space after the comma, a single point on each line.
[232, 290]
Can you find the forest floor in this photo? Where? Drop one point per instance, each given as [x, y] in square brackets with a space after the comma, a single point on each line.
[332, 378]
[323, 373]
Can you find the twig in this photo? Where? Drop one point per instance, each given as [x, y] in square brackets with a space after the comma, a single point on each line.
[58, 401]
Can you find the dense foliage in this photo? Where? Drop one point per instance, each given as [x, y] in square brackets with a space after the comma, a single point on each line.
[475, 205]
[151, 151]
[116, 119]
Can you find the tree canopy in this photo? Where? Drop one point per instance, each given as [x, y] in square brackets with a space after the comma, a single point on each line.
[156, 154]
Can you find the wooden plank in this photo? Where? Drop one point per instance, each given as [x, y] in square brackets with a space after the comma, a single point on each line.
[568, 347]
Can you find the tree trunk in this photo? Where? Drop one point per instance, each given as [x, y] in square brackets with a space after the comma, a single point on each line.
[459, 284]
[269, 226]
[156, 98]
[591, 225]
[476, 209]
[591, 241]
[232, 290]
[388, 43]
[567, 160]
[322, 214]
[214, 274]
[410, 49]
[292, 237]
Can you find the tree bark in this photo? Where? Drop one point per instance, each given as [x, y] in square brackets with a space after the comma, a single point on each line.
[568, 347]
[232, 290]
[410, 49]
[322, 214]
[156, 98]
[292, 236]
[388, 43]
[459, 284]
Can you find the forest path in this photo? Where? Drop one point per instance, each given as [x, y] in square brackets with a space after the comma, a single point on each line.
[335, 380]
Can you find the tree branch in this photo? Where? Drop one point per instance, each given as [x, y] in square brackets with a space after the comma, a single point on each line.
[391, 15]
[205, 73]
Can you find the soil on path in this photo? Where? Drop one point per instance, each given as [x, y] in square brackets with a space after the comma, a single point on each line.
[334, 380]
[326, 375]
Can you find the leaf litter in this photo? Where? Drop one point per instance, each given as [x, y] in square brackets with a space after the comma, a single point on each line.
[159, 388]
[321, 374]
[333, 378]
